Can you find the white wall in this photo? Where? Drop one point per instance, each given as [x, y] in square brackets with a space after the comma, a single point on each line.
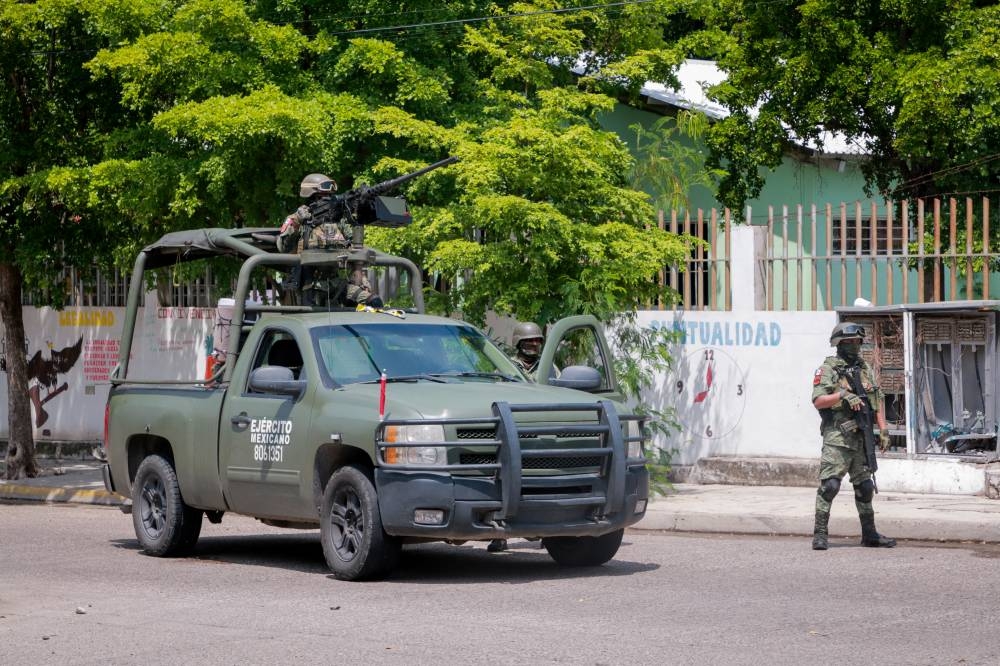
[759, 400]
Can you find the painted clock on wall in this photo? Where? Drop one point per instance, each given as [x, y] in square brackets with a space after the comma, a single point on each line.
[708, 393]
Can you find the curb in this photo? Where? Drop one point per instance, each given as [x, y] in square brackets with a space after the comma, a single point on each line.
[47, 494]
[955, 529]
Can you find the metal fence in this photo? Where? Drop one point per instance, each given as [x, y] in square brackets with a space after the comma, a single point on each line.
[93, 288]
[704, 281]
[822, 257]
[904, 251]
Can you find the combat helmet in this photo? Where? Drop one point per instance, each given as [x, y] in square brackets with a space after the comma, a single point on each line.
[846, 330]
[526, 330]
[316, 183]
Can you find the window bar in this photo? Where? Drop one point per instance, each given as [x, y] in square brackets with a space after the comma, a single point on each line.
[953, 248]
[785, 282]
[873, 254]
[843, 253]
[687, 273]
[799, 261]
[858, 241]
[769, 263]
[920, 251]
[968, 247]
[700, 263]
[675, 278]
[713, 266]
[728, 265]
[829, 256]
[937, 250]
[986, 249]
[890, 295]
[814, 290]
[661, 225]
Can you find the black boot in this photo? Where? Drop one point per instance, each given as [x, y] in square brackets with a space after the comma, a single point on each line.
[870, 537]
[820, 530]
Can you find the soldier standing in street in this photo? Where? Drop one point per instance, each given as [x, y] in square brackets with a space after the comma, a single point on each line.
[843, 439]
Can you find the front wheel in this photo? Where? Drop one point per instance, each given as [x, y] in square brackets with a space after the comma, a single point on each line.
[354, 543]
[584, 551]
[164, 524]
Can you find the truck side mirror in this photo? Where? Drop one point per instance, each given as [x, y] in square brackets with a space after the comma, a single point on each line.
[580, 377]
[276, 379]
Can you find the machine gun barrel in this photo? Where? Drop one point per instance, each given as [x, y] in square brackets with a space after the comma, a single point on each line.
[389, 185]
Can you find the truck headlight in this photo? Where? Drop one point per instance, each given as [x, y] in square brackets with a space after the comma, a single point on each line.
[632, 431]
[415, 455]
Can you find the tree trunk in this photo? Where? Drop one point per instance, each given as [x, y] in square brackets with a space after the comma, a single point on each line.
[21, 444]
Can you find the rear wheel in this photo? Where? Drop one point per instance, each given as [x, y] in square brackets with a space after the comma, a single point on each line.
[164, 524]
[584, 551]
[354, 543]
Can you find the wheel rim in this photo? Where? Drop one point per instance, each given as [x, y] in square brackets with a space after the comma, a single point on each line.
[152, 507]
[347, 523]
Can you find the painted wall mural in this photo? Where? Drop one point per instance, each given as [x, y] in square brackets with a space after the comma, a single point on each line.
[72, 352]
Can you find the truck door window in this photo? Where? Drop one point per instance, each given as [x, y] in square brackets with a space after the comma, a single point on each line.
[279, 348]
[580, 346]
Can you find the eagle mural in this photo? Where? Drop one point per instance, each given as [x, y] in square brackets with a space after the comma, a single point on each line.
[46, 371]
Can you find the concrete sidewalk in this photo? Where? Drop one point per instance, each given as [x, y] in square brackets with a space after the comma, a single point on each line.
[690, 508]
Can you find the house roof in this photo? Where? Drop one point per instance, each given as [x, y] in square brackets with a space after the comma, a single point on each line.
[695, 76]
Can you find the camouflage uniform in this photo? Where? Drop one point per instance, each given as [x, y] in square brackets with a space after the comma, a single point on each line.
[843, 453]
[527, 366]
[323, 287]
[843, 441]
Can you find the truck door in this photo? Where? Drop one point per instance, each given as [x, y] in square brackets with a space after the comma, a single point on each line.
[263, 435]
[579, 341]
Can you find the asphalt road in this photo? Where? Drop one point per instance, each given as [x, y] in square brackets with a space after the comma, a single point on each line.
[76, 590]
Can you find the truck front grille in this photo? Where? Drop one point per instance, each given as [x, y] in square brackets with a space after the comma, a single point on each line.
[552, 462]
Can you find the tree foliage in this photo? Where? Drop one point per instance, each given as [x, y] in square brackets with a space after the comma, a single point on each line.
[122, 120]
[911, 83]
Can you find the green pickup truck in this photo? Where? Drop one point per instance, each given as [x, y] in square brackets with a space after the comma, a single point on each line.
[379, 427]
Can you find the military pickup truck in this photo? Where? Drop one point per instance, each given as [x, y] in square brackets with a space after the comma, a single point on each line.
[379, 427]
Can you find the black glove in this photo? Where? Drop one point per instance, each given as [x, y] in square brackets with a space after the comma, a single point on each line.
[375, 301]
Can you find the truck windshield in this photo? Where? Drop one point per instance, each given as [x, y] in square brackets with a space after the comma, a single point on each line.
[354, 353]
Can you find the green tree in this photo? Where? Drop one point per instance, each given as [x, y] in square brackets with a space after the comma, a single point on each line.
[911, 83]
[671, 160]
[140, 117]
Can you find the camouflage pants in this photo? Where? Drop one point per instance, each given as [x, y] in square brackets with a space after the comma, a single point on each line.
[838, 461]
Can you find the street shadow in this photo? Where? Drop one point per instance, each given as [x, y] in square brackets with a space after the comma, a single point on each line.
[292, 551]
[431, 563]
[523, 562]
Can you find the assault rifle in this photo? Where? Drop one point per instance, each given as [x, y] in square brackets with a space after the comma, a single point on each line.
[865, 417]
[366, 205]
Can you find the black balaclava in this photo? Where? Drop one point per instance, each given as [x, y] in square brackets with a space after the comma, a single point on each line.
[849, 351]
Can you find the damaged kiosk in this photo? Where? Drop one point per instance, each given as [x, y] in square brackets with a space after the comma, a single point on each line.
[937, 364]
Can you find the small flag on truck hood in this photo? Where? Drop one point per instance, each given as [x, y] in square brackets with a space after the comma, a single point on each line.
[381, 397]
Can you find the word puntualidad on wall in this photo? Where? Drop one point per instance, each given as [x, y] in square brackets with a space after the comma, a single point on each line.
[728, 333]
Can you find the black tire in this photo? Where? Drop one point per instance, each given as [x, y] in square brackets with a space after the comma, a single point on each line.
[164, 524]
[354, 543]
[584, 551]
